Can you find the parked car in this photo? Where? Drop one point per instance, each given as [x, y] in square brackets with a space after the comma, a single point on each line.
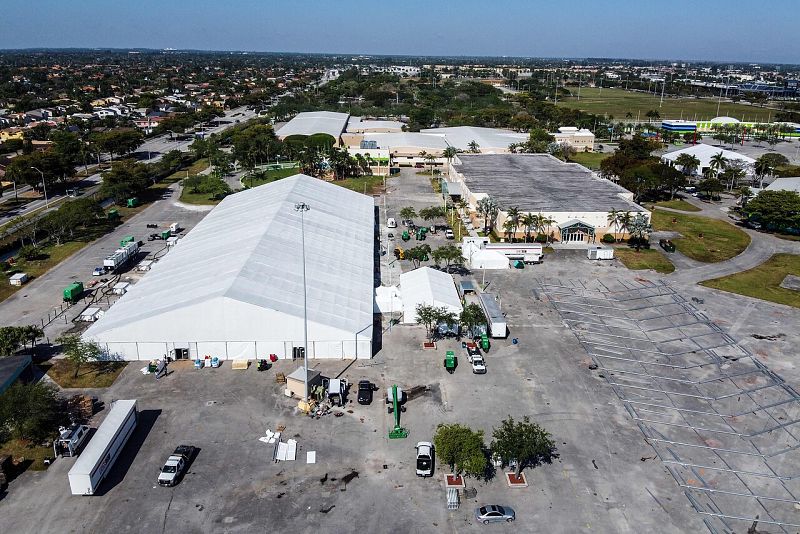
[424, 459]
[176, 465]
[391, 223]
[494, 513]
[365, 389]
[98, 271]
[449, 234]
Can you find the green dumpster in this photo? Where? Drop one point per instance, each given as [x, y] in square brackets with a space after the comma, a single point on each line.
[405, 236]
[73, 292]
[450, 361]
[484, 342]
[132, 202]
[166, 234]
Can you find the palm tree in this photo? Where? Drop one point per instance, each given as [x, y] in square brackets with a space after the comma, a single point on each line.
[529, 221]
[639, 227]
[613, 218]
[508, 229]
[449, 153]
[718, 163]
[474, 147]
[688, 163]
[431, 159]
[513, 215]
[487, 206]
[762, 169]
[624, 220]
[545, 223]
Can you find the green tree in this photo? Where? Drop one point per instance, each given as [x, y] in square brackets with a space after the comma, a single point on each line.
[124, 180]
[473, 147]
[79, 352]
[710, 186]
[688, 163]
[119, 141]
[30, 411]
[639, 229]
[471, 317]
[449, 254]
[718, 163]
[523, 442]
[776, 210]
[512, 217]
[408, 213]
[14, 337]
[461, 448]
[488, 208]
[419, 254]
[427, 316]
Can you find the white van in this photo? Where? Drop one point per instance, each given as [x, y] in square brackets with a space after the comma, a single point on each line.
[391, 223]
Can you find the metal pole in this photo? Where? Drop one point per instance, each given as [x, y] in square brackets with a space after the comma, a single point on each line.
[44, 187]
[302, 208]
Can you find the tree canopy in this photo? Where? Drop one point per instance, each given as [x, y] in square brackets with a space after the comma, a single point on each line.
[523, 442]
[461, 448]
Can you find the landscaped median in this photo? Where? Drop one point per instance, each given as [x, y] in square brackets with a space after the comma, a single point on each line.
[763, 282]
[644, 259]
[677, 204]
[702, 239]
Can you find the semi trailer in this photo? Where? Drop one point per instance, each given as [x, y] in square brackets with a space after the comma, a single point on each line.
[121, 256]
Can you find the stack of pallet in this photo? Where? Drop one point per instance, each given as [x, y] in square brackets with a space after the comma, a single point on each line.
[82, 407]
[280, 378]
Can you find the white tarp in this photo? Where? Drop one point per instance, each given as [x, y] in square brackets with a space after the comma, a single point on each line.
[427, 286]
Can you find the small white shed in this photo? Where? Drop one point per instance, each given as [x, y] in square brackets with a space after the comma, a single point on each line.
[18, 279]
[600, 253]
[144, 266]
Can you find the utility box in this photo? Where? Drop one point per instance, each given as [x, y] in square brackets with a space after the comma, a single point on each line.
[73, 292]
[132, 202]
[125, 240]
[600, 253]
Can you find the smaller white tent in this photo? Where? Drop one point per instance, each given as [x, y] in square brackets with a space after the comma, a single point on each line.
[388, 300]
[427, 286]
[481, 258]
[704, 153]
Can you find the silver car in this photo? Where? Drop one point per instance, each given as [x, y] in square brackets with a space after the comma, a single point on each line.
[493, 513]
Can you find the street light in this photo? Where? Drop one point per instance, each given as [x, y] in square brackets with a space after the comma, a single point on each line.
[44, 187]
[302, 207]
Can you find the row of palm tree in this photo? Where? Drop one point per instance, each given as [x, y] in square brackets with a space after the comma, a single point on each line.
[531, 222]
[621, 220]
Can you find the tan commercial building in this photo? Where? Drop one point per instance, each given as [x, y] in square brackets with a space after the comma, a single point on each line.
[576, 200]
[581, 139]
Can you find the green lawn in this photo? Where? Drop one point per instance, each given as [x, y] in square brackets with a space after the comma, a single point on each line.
[363, 184]
[90, 375]
[618, 102]
[590, 160]
[270, 176]
[720, 241]
[51, 256]
[678, 204]
[198, 199]
[644, 259]
[763, 282]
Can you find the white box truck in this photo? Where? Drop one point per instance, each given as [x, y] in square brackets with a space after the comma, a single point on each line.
[494, 317]
[102, 451]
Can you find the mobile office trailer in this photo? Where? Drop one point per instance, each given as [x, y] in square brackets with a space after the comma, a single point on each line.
[600, 253]
[102, 451]
[494, 317]
[69, 440]
[518, 251]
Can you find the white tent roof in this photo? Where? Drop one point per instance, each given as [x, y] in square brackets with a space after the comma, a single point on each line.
[785, 184]
[427, 286]
[487, 138]
[705, 152]
[357, 124]
[314, 122]
[242, 266]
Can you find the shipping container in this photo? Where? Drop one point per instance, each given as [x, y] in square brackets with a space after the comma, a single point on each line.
[73, 292]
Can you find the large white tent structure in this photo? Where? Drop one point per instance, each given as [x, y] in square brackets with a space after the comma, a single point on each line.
[233, 287]
[427, 286]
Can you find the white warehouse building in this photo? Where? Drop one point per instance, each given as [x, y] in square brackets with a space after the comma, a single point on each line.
[233, 287]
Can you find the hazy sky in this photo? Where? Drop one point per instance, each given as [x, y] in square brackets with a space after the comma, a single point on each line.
[731, 30]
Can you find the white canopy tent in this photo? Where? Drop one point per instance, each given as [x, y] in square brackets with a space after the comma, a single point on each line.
[704, 153]
[481, 258]
[234, 288]
[427, 286]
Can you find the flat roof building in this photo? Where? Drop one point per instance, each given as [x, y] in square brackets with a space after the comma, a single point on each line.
[575, 198]
[233, 288]
[581, 139]
[489, 140]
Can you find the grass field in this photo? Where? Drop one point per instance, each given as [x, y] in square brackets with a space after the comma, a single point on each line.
[590, 160]
[90, 375]
[618, 102]
[763, 282]
[644, 259]
[270, 176]
[720, 241]
[50, 255]
[363, 184]
[678, 204]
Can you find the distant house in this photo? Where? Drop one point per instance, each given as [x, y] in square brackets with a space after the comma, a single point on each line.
[581, 139]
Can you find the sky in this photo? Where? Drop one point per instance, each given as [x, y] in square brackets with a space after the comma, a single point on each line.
[731, 30]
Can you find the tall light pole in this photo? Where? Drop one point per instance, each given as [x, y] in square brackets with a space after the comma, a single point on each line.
[302, 207]
[44, 187]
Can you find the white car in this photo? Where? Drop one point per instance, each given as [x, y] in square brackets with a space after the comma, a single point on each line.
[449, 234]
[391, 223]
[478, 365]
[424, 459]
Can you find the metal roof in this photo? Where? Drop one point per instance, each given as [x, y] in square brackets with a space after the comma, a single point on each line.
[488, 139]
[541, 183]
[704, 153]
[247, 251]
[407, 139]
[314, 122]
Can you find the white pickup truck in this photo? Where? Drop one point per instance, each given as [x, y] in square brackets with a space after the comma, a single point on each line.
[176, 465]
[475, 358]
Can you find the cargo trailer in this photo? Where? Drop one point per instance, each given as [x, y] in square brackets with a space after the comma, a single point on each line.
[600, 253]
[103, 450]
[121, 256]
[494, 317]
